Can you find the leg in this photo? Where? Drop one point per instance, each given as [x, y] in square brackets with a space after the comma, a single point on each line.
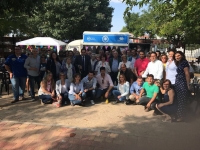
[32, 85]
[15, 87]
[72, 99]
[37, 79]
[116, 93]
[144, 100]
[99, 93]
[123, 98]
[45, 98]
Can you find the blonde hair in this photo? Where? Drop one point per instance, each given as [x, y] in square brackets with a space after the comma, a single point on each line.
[44, 81]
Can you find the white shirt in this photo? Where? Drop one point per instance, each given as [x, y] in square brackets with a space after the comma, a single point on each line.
[155, 68]
[104, 82]
[128, 65]
[63, 88]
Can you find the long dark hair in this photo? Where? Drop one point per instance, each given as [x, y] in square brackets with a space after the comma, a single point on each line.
[57, 59]
[182, 59]
[76, 75]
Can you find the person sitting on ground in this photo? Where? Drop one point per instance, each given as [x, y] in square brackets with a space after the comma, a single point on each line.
[89, 85]
[76, 95]
[130, 76]
[122, 90]
[62, 90]
[46, 92]
[151, 98]
[168, 107]
[135, 89]
[105, 84]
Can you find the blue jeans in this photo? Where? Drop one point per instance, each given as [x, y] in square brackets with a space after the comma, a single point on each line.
[74, 101]
[100, 93]
[116, 93]
[32, 80]
[45, 98]
[90, 94]
[18, 86]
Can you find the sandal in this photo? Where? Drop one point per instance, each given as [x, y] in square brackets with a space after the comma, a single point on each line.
[167, 120]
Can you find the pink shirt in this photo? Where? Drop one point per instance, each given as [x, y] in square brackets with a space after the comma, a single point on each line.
[141, 65]
[104, 82]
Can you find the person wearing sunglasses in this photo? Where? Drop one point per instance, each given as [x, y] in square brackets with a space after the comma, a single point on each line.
[105, 84]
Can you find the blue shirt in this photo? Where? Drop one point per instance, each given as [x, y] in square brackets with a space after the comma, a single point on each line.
[115, 65]
[135, 88]
[16, 65]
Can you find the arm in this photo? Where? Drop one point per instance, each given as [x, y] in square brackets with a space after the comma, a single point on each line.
[160, 71]
[110, 83]
[171, 98]
[44, 88]
[162, 90]
[27, 63]
[71, 89]
[146, 72]
[141, 92]
[108, 68]
[57, 89]
[126, 89]
[187, 76]
[135, 71]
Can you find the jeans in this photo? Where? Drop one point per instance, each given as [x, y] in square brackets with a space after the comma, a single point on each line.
[32, 80]
[74, 101]
[45, 98]
[90, 94]
[100, 92]
[64, 97]
[18, 86]
[116, 93]
[145, 100]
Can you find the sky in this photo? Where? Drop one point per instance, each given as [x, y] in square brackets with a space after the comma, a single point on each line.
[117, 20]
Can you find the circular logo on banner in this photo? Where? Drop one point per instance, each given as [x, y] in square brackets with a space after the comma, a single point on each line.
[89, 38]
[105, 38]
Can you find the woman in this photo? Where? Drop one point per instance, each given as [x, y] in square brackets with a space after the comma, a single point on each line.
[171, 67]
[46, 92]
[163, 59]
[76, 91]
[181, 84]
[103, 63]
[68, 69]
[43, 65]
[168, 107]
[62, 90]
[124, 61]
[53, 65]
[122, 92]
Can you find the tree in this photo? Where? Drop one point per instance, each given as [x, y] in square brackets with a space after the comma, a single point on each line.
[63, 19]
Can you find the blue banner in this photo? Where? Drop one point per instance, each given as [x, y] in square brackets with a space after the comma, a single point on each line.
[106, 39]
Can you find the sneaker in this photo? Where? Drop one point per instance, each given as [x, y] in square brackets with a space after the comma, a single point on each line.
[107, 101]
[33, 99]
[115, 102]
[92, 102]
[21, 98]
[72, 104]
[42, 103]
[14, 101]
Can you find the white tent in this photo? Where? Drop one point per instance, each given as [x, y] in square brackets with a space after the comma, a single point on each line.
[43, 41]
[75, 44]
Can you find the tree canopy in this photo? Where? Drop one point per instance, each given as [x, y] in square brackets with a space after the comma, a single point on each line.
[173, 19]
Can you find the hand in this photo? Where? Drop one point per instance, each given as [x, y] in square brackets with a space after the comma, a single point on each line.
[106, 94]
[85, 90]
[59, 97]
[119, 97]
[11, 75]
[141, 73]
[136, 97]
[52, 94]
[148, 105]
[78, 97]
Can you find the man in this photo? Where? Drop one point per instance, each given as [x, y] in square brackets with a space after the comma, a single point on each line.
[140, 64]
[82, 63]
[155, 67]
[114, 63]
[151, 98]
[130, 76]
[32, 64]
[15, 66]
[93, 61]
[89, 85]
[105, 84]
[135, 89]
[133, 58]
[129, 56]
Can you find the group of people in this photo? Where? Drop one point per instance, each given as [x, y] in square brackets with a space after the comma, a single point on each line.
[157, 81]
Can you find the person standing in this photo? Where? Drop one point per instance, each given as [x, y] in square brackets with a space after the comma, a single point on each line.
[82, 63]
[15, 66]
[114, 63]
[155, 67]
[32, 64]
[181, 84]
[93, 61]
[140, 64]
[102, 63]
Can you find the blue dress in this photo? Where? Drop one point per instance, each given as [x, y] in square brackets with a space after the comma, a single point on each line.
[168, 109]
[181, 89]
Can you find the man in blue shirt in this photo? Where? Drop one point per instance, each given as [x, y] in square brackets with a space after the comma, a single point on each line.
[15, 66]
[135, 90]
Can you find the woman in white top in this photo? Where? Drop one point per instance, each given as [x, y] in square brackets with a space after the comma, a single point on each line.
[47, 89]
[124, 61]
[103, 63]
[122, 90]
[62, 90]
[76, 91]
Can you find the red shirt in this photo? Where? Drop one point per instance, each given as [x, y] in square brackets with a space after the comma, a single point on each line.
[141, 65]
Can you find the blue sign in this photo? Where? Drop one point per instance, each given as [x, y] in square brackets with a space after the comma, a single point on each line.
[106, 39]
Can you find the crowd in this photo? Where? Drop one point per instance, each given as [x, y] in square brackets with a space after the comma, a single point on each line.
[157, 81]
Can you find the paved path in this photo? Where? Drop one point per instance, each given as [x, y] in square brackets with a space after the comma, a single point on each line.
[28, 125]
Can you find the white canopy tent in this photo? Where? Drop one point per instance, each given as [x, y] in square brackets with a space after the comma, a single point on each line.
[43, 41]
[78, 44]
